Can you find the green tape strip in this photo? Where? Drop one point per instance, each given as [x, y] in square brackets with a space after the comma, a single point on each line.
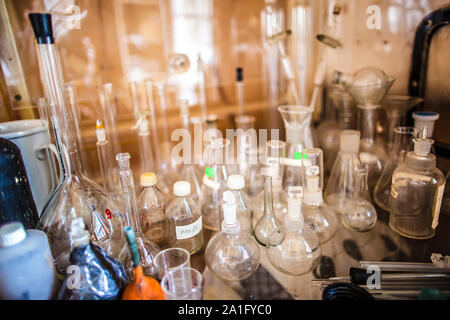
[298, 156]
[209, 172]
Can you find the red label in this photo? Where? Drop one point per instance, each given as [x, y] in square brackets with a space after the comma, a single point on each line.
[108, 214]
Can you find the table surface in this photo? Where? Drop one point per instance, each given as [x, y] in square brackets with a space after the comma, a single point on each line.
[343, 251]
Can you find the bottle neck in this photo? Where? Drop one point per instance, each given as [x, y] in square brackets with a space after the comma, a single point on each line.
[345, 119]
[367, 124]
[129, 200]
[268, 197]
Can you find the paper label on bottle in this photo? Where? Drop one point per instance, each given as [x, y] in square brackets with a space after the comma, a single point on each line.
[98, 226]
[437, 205]
[189, 231]
[207, 181]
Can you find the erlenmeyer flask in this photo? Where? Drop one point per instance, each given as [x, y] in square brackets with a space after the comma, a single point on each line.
[342, 181]
[77, 196]
[358, 214]
[214, 182]
[295, 119]
[403, 143]
[316, 214]
[147, 248]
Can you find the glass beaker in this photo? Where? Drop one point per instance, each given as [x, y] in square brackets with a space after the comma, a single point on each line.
[403, 143]
[295, 120]
[171, 259]
[183, 284]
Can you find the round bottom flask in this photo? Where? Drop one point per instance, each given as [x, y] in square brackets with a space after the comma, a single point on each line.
[322, 220]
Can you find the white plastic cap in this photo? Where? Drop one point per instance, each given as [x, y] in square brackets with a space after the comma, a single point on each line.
[12, 234]
[78, 233]
[229, 208]
[236, 182]
[425, 119]
[181, 188]
[148, 179]
[350, 140]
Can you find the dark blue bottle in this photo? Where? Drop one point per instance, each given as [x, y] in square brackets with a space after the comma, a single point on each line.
[16, 198]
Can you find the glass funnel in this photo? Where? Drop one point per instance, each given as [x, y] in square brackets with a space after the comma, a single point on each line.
[147, 248]
[396, 108]
[214, 182]
[403, 143]
[232, 254]
[295, 120]
[77, 196]
[294, 248]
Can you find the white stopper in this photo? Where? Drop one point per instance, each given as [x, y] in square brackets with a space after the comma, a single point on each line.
[312, 178]
[143, 126]
[78, 233]
[12, 234]
[229, 208]
[295, 196]
[425, 119]
[350, 141]
[181, 188]
[236, 182]
[422, 145]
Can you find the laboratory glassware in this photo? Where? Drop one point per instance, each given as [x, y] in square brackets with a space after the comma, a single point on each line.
[109, 111]
[145, 146]
[268, 222]
[171, 259]
[253, 180]
[214, 182]
[358, 213]
[275, 149]
[232, 254]
[142, 287]
[240, 90]
[185, 219]
[417, 190]
[293, 248]
[201, 85]
[152, 204]
[183, 284]
[76, 196]
[236, 186]
[316, 214]
[246, 141]
[402, 144]
[147, 248]
[368, 86]
[149, 95]
[425, 119]
[342, 180]
[26, 268]
[295, 120]
[109, 172]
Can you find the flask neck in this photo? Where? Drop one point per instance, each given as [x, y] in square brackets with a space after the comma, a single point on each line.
[367, 124]
[129, 199]
[268, 197]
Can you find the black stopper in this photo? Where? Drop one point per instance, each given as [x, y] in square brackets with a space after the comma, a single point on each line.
[42, 27]
[239, 74]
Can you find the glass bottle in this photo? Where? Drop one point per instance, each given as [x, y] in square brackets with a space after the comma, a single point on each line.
[232, 254]
[185, 219]
[76, 196]
[214, 182]
[147, 248]
[253, 179]
[152, 203]
[236, 185]
[358, 213]
[342, 181]
[403, 143]
[317, 215]
[110, 174]
[268, 222]
[294, 248]
[417, 190]
[295, 119]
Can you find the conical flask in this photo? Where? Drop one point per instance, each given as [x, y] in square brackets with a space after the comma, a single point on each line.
[77, 196]
[147, 248]
[295, 120]
[294, 248]
[342, 181]
[214, 182]
[317, 215]
[403, 143]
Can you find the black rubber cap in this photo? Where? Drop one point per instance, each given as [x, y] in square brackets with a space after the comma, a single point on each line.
[42, 27]
[239, 74]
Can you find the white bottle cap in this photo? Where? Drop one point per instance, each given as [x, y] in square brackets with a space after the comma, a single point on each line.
[236, 182]
[148, 179]
[229, 208]
[425, 119]
[181, 188]
[350, 141]
[78, 233]
[12, 234]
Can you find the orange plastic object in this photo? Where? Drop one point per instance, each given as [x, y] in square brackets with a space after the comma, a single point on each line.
[143, 288]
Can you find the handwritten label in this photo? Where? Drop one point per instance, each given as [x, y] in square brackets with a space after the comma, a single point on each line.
[190, 230]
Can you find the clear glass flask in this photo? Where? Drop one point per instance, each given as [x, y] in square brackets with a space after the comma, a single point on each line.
[403, 143]
[236, 186]
[214, 182]
[185, 219]
[232, 254]
[342, 181]
[146, 247]
[294, 248]
[268, 222]
[110, 174]
[295, 120]
[417, 190]
[316, 214]
[152, 203]
[358, 214]
[76, 196]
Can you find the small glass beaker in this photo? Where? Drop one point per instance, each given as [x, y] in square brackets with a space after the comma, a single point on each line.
[171, 259]
[183, 284]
